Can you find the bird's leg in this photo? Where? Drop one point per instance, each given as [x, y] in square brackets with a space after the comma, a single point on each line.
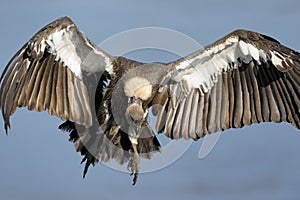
[134, 163]
[135, 115]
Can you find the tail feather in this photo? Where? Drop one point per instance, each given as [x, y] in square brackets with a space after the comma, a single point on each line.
[104, 147]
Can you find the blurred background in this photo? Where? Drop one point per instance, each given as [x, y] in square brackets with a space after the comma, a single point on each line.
[256, 162]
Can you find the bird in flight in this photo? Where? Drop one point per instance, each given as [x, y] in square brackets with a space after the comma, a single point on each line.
[241, 79]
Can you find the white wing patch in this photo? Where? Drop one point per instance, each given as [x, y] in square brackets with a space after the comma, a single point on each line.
[244, 47]
[215, 50]
[61, 45]
[74, 49]
[203, 70]
[254, 52]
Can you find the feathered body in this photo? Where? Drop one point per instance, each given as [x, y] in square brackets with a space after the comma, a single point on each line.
[241, 79]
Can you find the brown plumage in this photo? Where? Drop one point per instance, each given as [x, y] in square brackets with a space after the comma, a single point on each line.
[241, 79]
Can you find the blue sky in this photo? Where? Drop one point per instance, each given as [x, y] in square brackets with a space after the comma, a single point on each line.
[260, 161]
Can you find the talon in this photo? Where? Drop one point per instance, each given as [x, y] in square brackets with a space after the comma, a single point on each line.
[135, 178]
[134, 165]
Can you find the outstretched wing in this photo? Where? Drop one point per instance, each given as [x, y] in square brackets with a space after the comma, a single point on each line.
[241, 79]
[48, 73]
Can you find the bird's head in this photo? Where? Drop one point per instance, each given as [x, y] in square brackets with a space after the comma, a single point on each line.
[135, 111]
[138, 90]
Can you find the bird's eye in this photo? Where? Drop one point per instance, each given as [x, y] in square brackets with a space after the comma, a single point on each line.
[130, 100]
[134, 100]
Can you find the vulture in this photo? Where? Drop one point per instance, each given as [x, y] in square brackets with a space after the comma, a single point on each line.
[241, 79]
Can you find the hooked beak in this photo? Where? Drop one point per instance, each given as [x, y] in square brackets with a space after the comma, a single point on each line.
[134, 130]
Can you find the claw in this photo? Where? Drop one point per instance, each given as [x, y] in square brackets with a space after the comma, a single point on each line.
[136, 175]
[134, 165]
